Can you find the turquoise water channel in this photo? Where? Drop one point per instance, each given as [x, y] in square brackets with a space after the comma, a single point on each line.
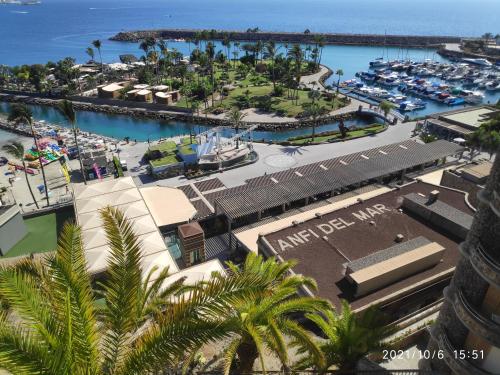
[142, 129]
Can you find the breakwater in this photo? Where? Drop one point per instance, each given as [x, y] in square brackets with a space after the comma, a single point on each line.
[292, 37]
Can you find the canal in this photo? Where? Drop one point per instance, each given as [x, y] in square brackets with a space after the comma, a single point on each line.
[142, 129]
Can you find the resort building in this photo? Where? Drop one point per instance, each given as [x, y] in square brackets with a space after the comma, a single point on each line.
[397, 248]
[144, 95]
[459, 123]
[148, 209]
[111, 91]
[467, 330]
[163, 98]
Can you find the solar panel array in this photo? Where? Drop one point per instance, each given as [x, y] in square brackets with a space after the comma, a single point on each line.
[264, 193]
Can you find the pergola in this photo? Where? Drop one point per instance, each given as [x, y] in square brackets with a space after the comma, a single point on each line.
[340, 175]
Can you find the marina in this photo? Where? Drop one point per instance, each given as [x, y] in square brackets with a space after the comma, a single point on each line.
[414, 86]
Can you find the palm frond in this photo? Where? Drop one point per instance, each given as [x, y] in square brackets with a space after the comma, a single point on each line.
[122, 286]
[22, 352]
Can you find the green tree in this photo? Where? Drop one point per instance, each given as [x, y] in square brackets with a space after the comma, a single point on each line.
[297, 55]
[339, 73]
[90, 51]
[386, 107]
[20, 113]
[235, 116]
[16, 149]
[55, 325]
[97, 45]
[271, 54]
[486, 137]
[261, 321]
[65, 107]
[314, 110]
[349, 337]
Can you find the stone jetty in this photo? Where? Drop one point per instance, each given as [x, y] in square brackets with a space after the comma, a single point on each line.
[293, 37]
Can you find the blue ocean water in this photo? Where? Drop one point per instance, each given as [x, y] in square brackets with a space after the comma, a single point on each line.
[59, 28]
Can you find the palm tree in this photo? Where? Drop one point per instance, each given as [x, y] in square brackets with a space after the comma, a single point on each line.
[235, 116]
[261, 321]
[55, 324]
[386, 107]
[97, 45]
[67, 110]
[349, 337]
[210, 52]
[90, 51]
[271, 53]
[314, 110]
[16, 149]
[297, 55]
[21, 113]
[340, 73]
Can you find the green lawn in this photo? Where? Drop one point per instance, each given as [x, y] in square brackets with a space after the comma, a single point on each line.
[377, 128]
[168, 146]
[290, 107]
[185, 148]
[168, 159]
[41, 237]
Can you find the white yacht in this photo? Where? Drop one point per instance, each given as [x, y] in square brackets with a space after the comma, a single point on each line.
[482, 62]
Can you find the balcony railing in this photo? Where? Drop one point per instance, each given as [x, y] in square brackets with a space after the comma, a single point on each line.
[457, 365]
[474, 320]
[485, 265]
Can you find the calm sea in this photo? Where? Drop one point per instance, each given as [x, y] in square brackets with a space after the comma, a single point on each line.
[59, 28]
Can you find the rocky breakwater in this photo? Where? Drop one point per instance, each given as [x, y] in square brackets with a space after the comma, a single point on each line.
[292, 37]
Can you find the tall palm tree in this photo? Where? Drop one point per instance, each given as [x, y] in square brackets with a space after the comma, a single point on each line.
[386, 107]
[235, 116]
[55, 325]
[297, 55]
[314, 110]
[340, 73]
[97, 45]
[271, 53]
[349, 337]
[16, 149]
[67, 110]
[236, 52]
[21, 113]
[262, 321]
[210, 52]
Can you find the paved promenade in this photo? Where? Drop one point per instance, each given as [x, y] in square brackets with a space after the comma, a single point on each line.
[272, 158]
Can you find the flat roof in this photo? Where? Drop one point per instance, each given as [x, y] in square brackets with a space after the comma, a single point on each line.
[168, 206]
[480, 170]
[324, 244]
[163, 95]
[143, 92]
[112, 87]
[249, 237]
[469, 117]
